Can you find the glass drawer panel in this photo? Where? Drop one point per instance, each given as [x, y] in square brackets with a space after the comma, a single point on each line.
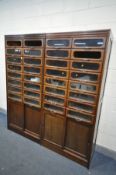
[58, 73]
[80, 106]
[57, 63]
[14, 60]
[31, 86]
[33, 43]
[14, 97]
[32, 61]
[84, 76]
[58, 43]
[56, 82]
[82, 97]
[32, 102]
[54, 100]
[14, 82]
[86, 66]
[93, 42]
[14, 75]
[55, 91]
[83, 87]
[55, 109]
[14, 89]
[33, 52]
[13, 43]
[32, 70]
[96, 55]
[57, 53]
[79, 116]
[32, 78]
[14, 68]
[31, 94]
[13, 51]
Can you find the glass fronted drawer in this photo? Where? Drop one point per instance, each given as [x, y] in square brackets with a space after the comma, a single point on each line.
[17, 68]
[13, 51]
[14, 75]
[56, 73]
[81, 107]
[86, 87]
[55, 82]
[14, 82]
[32, 86]
[32, 78]
[53, 108]
[58, 53]
[14, 97]
[87, 54]
[33, 52]
[80, 116]
[54, 91]
[13, 43]
[54, 100]
[88, 77]
[33, 70]
[86, 66]
[33, 61]
[57, 63]
[31, 94]
[15, 89]
[33, 43]
[32, 102]
[89, 42]
[14, 60]
[58, 43]
[84, 97]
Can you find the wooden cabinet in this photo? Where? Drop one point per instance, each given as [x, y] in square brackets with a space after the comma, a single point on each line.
[55, 85]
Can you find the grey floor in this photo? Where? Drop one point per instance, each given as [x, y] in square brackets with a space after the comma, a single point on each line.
[20, 156]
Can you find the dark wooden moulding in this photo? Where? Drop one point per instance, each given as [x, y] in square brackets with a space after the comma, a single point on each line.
[55, 86]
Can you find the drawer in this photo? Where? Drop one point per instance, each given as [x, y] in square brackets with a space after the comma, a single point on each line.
[55, 82]
[85, 76]
[14, 68]
[63, 64]
[81, 107]
[33, 52]
[13, 43]
[14, 51]
[15, 97]
[54, 108]
[32, 78]
[86, 66]
[14, 82]
[54, 73]
[33, 43]
[32, 70]
[14, 89]
[32, 61]
[30, 86]
[55, 91]
[53, 100]
[88, 54]
[58, 53]
[14, 75]
[84, 87]
[82, 97]
[94, 42]
[14, 60]
[80, 116]
[58, 43]
[32, 102]
[32, 94]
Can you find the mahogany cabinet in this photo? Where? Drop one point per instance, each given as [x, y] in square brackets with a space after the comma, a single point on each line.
[55, 87]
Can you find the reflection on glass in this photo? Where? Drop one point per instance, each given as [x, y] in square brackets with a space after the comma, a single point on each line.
[53, 108]
[57, 53]
[87, 54]
[56, 73]
[14, 51]
[80, 106]
[32, 78]
[89, 42]
[84, 76]
[85, 65]
[31, 86]
[55, 82]
[32, 94]
[84, 87]
[32, 61]
[55, 91]
[33, 43]
[14, 68]
[14, 97]
[14, 82]
[32, 70]
[54, 100]
[58, 43]
[13, 43]
[14, 75]
[32, 102]
[14, 59]
[79, 116]
[32, 52]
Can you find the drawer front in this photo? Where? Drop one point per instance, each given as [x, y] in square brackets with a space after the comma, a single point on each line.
[58, 43]
[33, 43]
[32, 61]
[14, 82]
[14, 75]
[14, 51]
[55, 91]
[32, 70]
[58, 53]
[63, 64]
[93, 55]
[56, 73]
[15, 97]
[86, 87]
[32, 102]
[14, 43]
[14, 68]
[14, 60]
[32, 87]
[85, 76]
[53, 100]
[32, 78]
[98, 42]
[55, 82]
[33, 52]
[14, 89]
[86, 66]
[54, 108]
[32, 94]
